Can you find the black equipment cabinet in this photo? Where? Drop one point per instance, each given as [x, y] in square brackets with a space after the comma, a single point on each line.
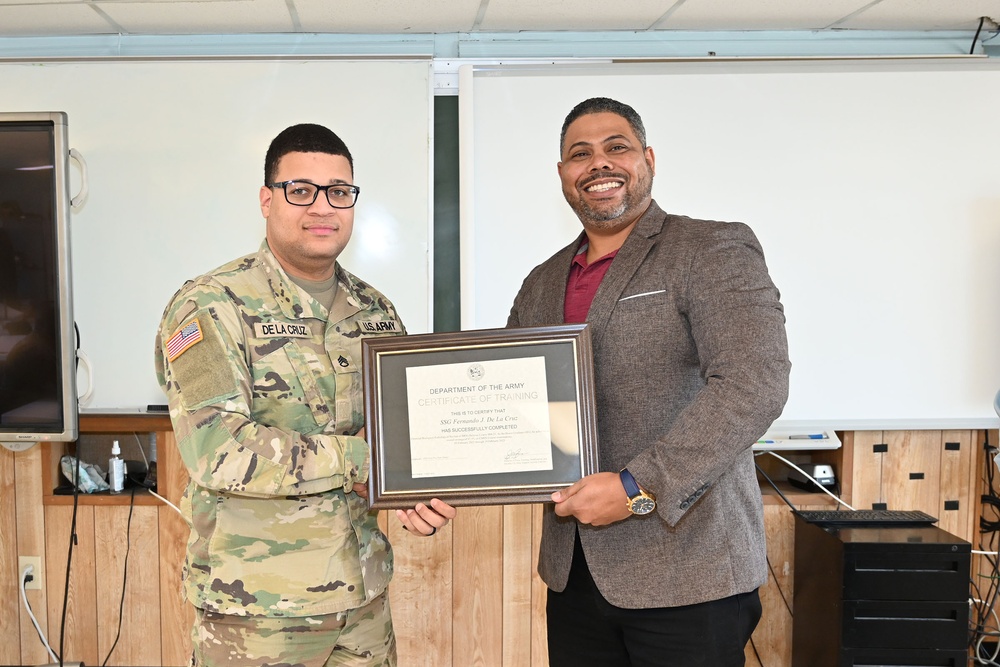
[881, 596]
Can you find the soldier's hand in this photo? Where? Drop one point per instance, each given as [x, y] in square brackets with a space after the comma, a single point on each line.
[361, 489]
[424, 519]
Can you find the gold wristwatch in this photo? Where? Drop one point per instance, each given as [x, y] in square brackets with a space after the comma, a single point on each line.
[639, 501]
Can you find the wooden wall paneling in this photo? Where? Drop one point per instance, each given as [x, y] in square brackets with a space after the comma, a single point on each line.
[176, 615]
[80, 641]
[477, 617]
[468, 596]
[843, 466]
[421, 593]
[137, 645]
[30, 540]
[10, 582]
[957, 483]
[911, 471]
[52, 453]
[516, 595]
[867, 465]
[771, 642]
[539, 594]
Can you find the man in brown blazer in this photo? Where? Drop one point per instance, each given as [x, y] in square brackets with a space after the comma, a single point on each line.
[657, 559]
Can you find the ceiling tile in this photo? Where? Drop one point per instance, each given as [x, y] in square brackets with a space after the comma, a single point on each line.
[39, 20]
[183, 17]
[387, 16]
[758, 14]
[553, 15]
[924, 15]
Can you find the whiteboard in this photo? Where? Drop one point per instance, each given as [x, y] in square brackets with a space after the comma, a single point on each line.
[873, 186]
[175, 152]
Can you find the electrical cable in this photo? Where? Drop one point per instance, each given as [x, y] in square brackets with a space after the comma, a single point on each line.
[151, 492]
[808, 476]
[775, 486]
[992, 659]
[755, 653]
[972, 49]
[25, 578]
[983, 607]
[174, 507]
[121, 603]
[69, 558]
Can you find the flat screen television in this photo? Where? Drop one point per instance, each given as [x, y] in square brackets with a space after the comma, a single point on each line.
[38, 398]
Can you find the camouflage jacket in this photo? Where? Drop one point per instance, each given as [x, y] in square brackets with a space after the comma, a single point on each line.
[265, 395]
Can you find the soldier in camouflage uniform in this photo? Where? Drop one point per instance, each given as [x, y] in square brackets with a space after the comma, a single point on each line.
[260, 360]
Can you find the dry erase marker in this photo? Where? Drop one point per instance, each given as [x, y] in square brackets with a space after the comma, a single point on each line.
[808, 436]
[765, 442]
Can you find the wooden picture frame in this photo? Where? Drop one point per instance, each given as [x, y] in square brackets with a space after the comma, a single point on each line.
[482, 417]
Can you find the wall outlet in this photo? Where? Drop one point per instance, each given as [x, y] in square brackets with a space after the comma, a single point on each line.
[36, 573]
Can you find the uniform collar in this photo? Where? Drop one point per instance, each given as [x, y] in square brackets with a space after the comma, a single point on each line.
[296, 303]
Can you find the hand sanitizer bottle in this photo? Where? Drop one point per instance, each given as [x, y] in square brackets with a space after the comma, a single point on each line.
[116, 469]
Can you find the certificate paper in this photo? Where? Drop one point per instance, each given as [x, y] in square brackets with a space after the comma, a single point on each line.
[478, 418]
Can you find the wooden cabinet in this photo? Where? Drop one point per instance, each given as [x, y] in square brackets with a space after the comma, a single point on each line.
[933, 471]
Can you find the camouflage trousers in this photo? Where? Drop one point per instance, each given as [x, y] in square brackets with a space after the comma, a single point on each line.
[361, 637]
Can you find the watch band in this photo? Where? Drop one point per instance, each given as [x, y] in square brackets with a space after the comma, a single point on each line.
[628, 481]
[639, 502]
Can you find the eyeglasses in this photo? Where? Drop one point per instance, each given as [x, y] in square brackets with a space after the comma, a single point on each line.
[304, 193]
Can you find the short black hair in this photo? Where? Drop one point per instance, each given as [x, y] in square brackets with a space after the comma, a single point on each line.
[303, 138]
[604, 105]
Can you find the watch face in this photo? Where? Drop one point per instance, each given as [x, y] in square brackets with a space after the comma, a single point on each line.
[642, 505]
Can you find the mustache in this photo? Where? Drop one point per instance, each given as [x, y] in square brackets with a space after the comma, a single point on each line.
[602, 176]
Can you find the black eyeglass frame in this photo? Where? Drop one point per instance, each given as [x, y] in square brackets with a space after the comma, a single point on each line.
[326, 188]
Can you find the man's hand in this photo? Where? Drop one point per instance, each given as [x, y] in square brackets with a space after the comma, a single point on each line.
[425, 520]
[597, 500]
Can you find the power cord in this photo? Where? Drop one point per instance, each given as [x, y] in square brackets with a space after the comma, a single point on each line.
[121, 603]
[151, 492]
[982, 607]
[69, 558]
[27, 576]
[807, 475]
[756, 653]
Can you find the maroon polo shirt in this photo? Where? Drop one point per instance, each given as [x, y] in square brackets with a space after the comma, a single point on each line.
[584, 279]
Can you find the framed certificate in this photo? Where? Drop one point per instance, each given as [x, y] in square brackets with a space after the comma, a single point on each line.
[483, 417]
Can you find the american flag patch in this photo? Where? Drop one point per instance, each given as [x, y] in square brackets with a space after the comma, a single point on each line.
[183, 339]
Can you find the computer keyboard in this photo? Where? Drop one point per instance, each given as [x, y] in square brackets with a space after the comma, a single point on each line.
[867, 518]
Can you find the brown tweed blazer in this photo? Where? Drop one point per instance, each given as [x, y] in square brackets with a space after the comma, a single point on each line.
[691, 366]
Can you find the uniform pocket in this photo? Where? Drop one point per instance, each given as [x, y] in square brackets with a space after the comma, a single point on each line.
[284, 392]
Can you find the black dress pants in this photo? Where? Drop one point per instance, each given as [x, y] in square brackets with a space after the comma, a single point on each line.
[585, 629]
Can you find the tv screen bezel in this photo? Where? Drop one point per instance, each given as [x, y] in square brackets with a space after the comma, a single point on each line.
[19, 437]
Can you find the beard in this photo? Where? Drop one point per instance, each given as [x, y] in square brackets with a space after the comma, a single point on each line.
[611, 216]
